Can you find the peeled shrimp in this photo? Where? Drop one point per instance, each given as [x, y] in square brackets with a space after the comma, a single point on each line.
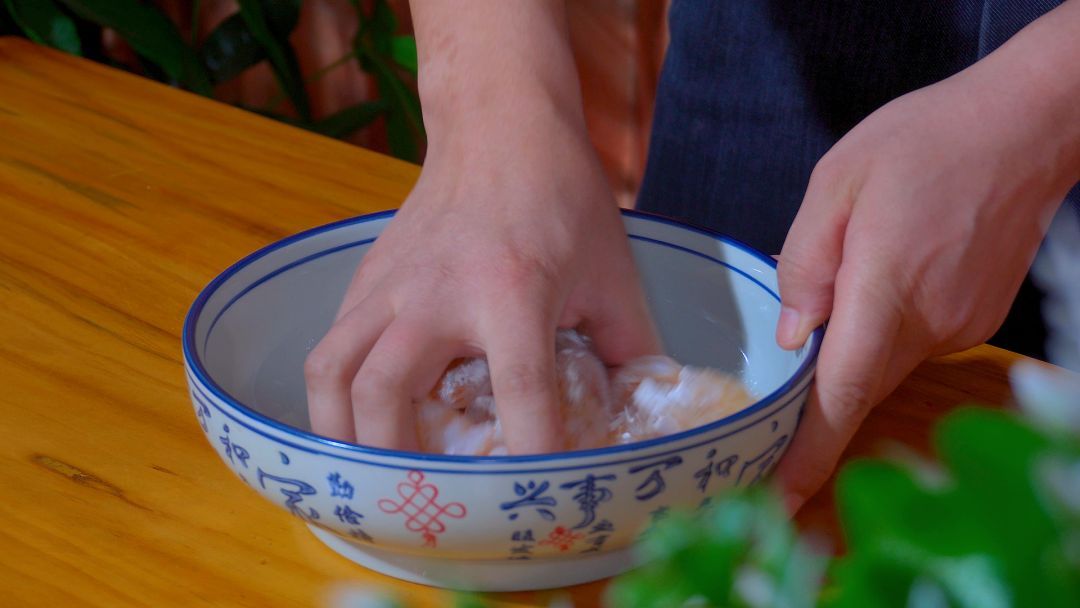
[648, 397]
[660, 397]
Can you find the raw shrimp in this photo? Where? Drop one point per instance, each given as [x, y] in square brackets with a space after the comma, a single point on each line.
[648, 397]
[659, 397]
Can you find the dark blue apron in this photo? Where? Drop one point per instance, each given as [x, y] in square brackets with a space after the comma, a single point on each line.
[754, 92]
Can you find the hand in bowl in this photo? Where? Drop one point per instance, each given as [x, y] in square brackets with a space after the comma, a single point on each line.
[500, 243]
[510, 233]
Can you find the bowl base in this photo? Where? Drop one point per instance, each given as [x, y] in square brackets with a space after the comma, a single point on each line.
[481, 575]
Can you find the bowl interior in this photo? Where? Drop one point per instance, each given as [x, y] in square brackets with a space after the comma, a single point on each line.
[715, 302]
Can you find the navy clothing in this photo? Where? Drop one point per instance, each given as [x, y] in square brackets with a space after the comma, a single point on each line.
[754, 92]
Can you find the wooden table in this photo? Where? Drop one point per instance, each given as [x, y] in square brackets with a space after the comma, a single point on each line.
[119, 200]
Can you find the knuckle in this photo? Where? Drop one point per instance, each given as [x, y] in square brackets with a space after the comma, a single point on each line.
[809, 289]
[516, 272]
[846, 402]
[793, 269]
[322, 366]
[827, 173]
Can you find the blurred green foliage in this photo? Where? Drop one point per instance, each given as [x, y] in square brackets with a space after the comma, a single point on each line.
[259, 31]
[995, 524]
[742, 551]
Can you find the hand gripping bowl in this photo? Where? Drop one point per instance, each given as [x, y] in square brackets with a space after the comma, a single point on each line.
[487, 523]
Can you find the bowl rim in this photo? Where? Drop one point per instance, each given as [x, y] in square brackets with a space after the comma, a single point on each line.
[203, 377]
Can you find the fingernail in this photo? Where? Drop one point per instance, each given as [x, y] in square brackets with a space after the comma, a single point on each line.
[787, 328]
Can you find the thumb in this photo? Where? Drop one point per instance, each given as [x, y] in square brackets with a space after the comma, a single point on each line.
[811, 258]
[852, 371]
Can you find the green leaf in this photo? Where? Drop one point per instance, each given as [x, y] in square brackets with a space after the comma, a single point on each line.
[381, 27]
[230, 49]
[983, 537]
[282, 16]
[350, 120]
[151, 34]
[879, 501]
[374, 45]
[403, 51]
[400, 136]
[741, 552]
[196, 14]
[404, 124]
[263, 19]
[993, 456]
[43, 22]
[894, 529]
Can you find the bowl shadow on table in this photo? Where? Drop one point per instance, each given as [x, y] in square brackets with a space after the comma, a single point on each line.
[414, 595]
[904, 421]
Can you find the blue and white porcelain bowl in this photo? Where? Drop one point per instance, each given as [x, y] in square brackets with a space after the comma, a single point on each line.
[487, 523]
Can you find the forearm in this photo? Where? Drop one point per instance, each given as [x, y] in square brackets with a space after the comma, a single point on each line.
[1035, 79]
[493, 65]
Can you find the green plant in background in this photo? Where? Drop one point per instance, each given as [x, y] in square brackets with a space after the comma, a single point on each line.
[259, 31]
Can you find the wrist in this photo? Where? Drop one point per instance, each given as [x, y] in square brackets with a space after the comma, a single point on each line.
[488, 113]
[493, 67]
[1034, 80]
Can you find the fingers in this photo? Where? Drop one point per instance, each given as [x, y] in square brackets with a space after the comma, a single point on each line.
[811, 257]
[331, 366]
[852, 367]
[359, 288]
[522, 360]
[621, 327]
[404, 364]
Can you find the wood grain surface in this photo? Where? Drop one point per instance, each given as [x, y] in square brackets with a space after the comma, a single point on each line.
[119, 200]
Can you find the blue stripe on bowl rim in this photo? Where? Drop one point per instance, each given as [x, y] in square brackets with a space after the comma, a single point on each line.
[202, 377]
